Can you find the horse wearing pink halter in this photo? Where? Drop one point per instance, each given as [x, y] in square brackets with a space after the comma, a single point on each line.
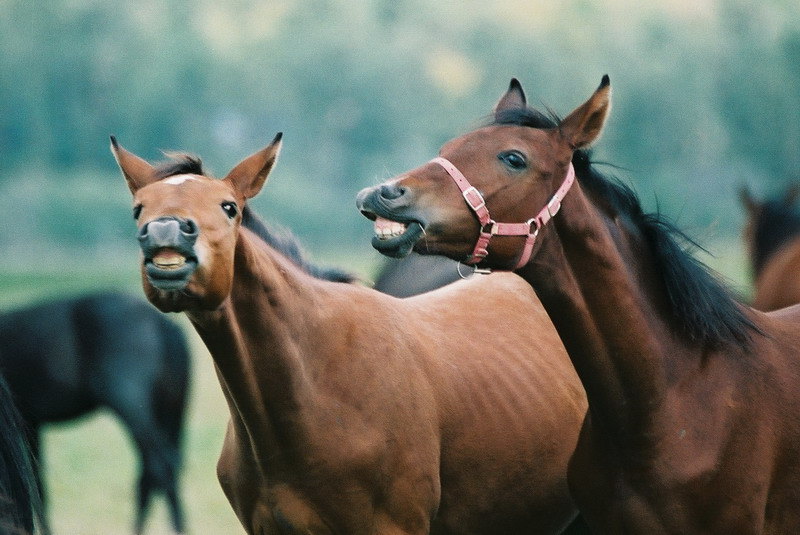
[490, 227]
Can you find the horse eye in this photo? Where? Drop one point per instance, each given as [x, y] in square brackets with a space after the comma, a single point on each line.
[137, 211]
[230, 209]
[513, 159]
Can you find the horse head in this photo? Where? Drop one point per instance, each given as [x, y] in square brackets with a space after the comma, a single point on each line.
[188, 224]
[494, 167]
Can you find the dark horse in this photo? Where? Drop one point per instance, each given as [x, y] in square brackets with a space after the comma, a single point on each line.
[416, 274]
[20, 504]
[67, 357]
[694, 398]
[772, 238]
[354, 412]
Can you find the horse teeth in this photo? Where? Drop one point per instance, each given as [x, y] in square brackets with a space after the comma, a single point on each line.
[169, 261]
[386, 229]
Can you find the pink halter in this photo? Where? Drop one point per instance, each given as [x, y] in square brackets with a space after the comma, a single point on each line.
[490, 227]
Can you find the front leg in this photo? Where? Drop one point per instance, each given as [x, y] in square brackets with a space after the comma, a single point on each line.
[243, 485]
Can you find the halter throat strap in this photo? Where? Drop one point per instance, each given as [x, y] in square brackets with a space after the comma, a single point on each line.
[490, 227]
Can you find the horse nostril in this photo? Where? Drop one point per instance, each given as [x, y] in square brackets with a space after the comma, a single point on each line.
[189, 228]
[392, 191]
[168, 232]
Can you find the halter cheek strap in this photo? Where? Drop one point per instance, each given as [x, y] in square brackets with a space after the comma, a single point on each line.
[490, 227]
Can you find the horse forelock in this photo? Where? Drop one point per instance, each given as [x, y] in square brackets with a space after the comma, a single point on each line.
[703, 307]
[179, 164]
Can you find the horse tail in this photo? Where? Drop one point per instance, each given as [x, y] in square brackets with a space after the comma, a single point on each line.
[20, 500]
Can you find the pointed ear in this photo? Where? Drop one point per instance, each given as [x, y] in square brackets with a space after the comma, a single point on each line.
[249, 176]
[747, 199]
[137, 172]
[513, 99]
[584, 125]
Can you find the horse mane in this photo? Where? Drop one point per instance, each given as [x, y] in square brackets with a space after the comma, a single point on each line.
[281, 240]
[700, 304]
[776, 223]
[287, 244]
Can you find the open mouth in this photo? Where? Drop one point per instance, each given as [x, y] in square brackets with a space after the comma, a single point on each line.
[396, 239]
[169, 270]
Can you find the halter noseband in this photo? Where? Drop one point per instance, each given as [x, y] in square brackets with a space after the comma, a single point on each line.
[490, 227]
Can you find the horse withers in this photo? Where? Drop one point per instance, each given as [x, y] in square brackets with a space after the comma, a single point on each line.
[694, 398]
[351, 411]
[67, 357]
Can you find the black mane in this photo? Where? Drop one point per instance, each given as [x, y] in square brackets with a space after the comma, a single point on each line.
[701, 304]
[179, 164]
[282, 240]
[287, 244]
[776, 223]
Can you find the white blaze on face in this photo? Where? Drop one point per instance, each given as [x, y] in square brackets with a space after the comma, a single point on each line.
[177, 180]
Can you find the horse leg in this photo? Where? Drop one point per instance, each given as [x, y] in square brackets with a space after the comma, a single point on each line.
[159, 460]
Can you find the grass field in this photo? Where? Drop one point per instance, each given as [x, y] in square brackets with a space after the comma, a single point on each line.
[91, 466]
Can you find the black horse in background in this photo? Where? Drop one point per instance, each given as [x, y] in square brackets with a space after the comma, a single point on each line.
[63, 359]
[20, 504]
[416, 274]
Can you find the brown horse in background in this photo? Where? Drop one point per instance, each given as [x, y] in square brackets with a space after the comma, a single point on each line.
[772, 237]
[354, 412]
[694, 399]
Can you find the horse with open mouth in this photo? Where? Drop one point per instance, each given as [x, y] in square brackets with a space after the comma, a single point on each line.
[694, 398]
[454, 412]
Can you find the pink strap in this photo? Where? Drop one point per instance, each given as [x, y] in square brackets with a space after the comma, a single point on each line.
[490, 228]
[471, 195]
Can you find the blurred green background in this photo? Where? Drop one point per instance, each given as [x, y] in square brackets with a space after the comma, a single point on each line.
[706, 99]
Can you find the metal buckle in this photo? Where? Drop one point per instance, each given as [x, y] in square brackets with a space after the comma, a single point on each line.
[469, 191]
[550, 210]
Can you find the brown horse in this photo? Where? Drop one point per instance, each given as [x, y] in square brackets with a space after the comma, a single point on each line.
[772, 238]
[353, 412]
[694, 399]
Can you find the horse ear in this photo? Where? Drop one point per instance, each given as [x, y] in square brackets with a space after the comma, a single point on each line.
[249, 176]
[514, 98]
[584, 125]
[747, 199]
[137, 172]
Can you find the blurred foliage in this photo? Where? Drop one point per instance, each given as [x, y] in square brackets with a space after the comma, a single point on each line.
[706, 96]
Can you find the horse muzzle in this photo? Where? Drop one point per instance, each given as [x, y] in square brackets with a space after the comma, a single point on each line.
[396, 229]
[167, 244]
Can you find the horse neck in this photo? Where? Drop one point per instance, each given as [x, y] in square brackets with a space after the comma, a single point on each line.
[594, 279]
[256, 340]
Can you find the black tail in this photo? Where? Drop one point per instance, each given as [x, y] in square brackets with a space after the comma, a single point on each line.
[20, 501]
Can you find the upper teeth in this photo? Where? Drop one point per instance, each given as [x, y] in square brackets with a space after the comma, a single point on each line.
[169, 261]
[385, 229]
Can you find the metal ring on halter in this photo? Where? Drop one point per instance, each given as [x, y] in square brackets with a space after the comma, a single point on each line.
[475, 269]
